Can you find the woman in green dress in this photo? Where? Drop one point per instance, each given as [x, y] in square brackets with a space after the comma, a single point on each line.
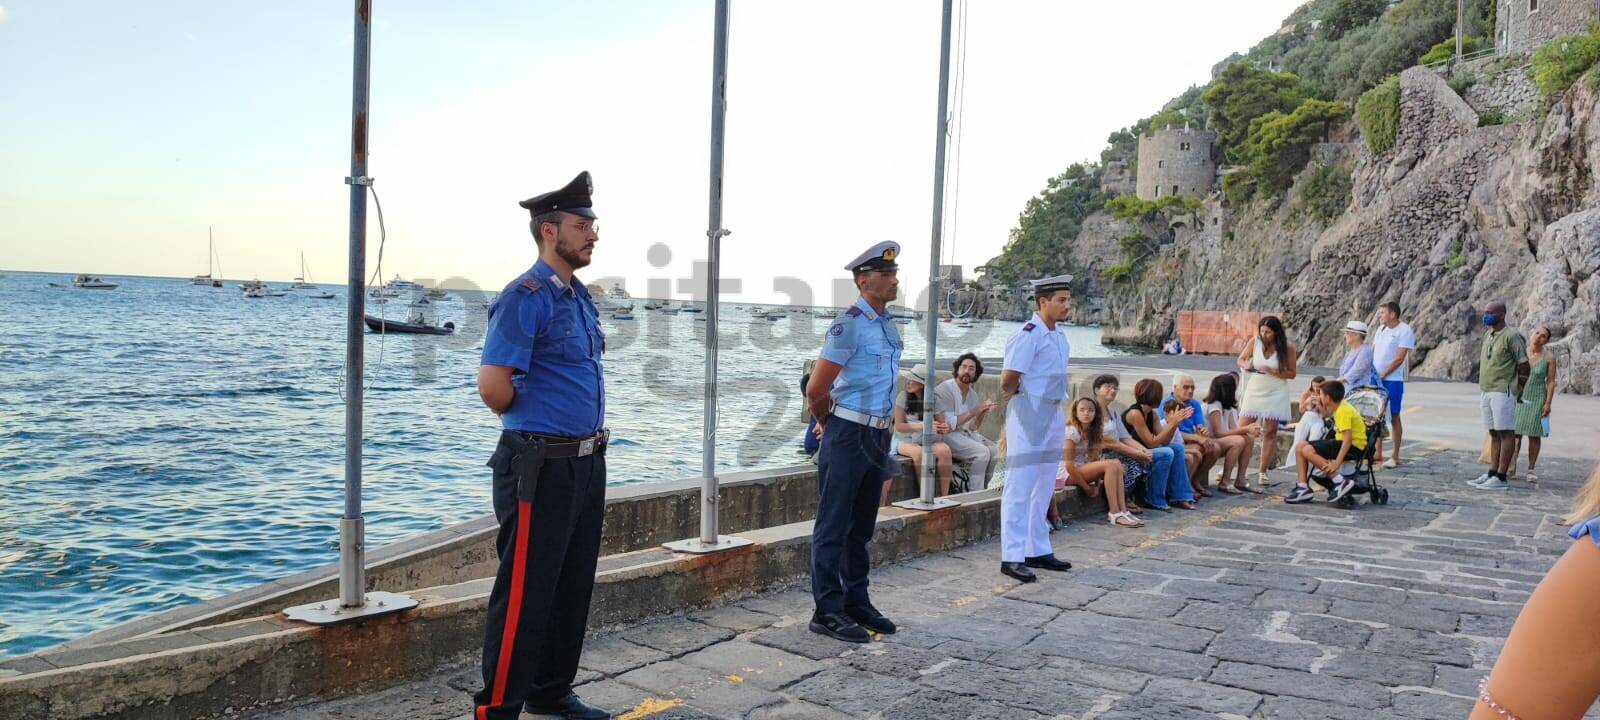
[1533, 412]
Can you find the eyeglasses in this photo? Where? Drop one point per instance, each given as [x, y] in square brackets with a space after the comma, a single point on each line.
[584, 226]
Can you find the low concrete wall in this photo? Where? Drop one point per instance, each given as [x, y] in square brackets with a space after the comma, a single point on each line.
[261, 661]
[637, 517]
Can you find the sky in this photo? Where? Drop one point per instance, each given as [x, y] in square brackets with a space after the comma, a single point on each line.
[129, 129]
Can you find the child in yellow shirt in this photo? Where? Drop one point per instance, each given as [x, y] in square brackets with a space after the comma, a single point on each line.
[1349, 439]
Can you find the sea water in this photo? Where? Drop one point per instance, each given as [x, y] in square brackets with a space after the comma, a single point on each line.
[164, 443]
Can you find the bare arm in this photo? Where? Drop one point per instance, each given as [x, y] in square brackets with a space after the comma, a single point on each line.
[495, 389]
[1399, 359]
[1551, 661]
[817, 398]
[1549, 387]
[1010, 383]
[1291, 365]
[1244, 356]
[1141, 430]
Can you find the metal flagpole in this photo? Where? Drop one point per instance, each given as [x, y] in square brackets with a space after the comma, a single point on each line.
[709, 540]
[353, 601]
[926, 499]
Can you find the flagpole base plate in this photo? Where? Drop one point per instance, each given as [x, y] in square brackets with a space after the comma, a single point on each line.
[696, 547]
[328, 612]
[920, 505]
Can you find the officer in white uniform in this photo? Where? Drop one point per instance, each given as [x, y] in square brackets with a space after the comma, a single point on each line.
[1034, 382]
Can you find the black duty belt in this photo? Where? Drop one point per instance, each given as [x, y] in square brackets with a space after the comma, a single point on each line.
[557, 446]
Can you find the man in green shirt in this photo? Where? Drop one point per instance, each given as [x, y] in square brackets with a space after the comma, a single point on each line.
[1502, 368]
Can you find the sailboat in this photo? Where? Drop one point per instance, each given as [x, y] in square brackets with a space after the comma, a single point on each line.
[211, 255]
[300, 283]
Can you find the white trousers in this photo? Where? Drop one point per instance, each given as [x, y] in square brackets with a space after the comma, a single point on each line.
[970, 447]
[1030, 480]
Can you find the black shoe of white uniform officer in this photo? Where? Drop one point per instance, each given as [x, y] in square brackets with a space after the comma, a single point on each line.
[839, 626]
[1047, 562]
[1299, 494]
[1018, 571]
[868, 617]
[571, 707]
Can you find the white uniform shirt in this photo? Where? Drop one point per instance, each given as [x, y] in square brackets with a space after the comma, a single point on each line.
[1040, 354]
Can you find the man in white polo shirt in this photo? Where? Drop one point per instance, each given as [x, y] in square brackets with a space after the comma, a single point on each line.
[1391, 350]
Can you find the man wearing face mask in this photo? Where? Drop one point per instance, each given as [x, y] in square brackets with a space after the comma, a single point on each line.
[964, 412]
[1502, 369]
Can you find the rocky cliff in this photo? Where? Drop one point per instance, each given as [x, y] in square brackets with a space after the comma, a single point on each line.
[1453, 217]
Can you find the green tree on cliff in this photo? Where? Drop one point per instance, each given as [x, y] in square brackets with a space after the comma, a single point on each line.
[1242, 93]
[1052, 219]
[1279, 146]
[1347, 15]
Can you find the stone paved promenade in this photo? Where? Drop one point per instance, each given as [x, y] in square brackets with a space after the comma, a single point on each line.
[1248, 608]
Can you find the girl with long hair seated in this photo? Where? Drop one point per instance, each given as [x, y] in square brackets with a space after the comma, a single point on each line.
[1081, 457]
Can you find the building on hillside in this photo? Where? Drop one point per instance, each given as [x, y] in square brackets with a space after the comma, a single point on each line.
[1177, 161]
[1521, 26]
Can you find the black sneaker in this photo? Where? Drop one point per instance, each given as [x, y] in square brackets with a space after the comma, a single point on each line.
[868, 617]
[1341, 487]
[839, 627]
[1300, 494]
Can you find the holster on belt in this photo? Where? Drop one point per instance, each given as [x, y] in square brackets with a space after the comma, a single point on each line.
[526, 460]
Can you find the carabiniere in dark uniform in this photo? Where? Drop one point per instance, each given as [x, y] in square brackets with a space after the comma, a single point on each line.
[541, 373]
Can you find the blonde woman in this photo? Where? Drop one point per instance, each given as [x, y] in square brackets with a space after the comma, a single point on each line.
[1550, 666]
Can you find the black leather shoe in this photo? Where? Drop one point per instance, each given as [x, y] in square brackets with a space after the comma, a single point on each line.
[1047, 562]
[1018, 571]
[571, 707]
[869, 617]
[839, 627]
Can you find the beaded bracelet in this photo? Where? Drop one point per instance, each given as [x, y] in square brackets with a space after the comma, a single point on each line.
[1483, 694]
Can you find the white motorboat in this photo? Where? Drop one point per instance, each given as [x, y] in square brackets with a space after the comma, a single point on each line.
[399, 284]
[249, 285]
[617, 300]
[211, 265]
[90, 282]
[437, 294]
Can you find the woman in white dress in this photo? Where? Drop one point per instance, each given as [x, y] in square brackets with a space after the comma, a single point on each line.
[1269, 363]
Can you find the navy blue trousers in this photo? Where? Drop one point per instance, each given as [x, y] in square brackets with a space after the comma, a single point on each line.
[852, 465]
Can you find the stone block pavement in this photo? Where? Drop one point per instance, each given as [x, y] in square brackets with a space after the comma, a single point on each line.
[1246, 608]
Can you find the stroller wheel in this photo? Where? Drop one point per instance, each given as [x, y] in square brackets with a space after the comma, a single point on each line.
[1382, 496]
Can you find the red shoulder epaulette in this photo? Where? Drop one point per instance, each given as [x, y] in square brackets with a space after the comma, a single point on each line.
[1028, 327]
[531, 284]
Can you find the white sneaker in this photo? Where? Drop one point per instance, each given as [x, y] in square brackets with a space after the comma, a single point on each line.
[1389, 464]
[1493, 483]
[1481, 480]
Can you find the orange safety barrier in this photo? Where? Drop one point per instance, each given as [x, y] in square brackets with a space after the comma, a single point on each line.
[1216, 331]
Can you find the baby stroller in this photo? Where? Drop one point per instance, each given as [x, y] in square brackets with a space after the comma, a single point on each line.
[1373, 405]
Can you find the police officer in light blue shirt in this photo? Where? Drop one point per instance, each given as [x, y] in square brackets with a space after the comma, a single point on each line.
[541, 373]
[851, 395]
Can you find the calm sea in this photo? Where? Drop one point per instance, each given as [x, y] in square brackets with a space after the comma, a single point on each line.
[163, 443]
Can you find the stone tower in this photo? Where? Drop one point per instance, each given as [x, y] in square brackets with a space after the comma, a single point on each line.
[1177, 161]
[1523, 25]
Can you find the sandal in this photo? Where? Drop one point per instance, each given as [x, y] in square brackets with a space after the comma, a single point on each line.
[1253, 489]
[1133, 510]
[1229, 489]
[1265, 480]
[1183, 505]
[1123, 519]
